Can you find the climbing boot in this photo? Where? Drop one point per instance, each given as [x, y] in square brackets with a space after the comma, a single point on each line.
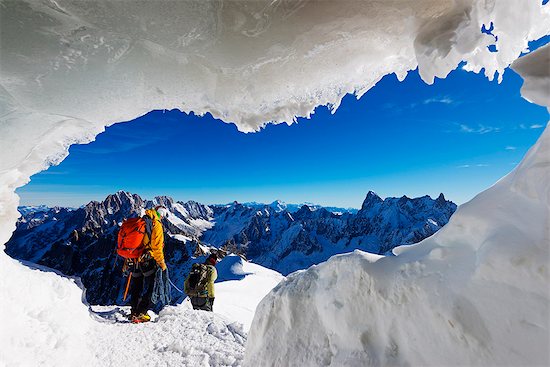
[142, 317]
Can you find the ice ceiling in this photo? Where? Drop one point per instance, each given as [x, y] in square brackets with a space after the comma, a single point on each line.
[69, 68]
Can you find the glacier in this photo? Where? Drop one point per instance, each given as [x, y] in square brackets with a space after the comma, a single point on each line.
[70, 68]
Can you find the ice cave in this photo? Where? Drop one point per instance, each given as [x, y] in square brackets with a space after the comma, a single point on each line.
[476, 293]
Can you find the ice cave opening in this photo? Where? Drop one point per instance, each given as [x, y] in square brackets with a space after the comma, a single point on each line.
[69, 69]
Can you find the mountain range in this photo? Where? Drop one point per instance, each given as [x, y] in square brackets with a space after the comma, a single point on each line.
[81, 242]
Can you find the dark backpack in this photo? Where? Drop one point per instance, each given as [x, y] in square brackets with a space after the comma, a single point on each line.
[130, 237]
[197, 280]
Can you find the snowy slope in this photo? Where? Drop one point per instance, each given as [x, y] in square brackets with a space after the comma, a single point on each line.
[65, 333]
[45, 322]
[475, 293]
[240, 288]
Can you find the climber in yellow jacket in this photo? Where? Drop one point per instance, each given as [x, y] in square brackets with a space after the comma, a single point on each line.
[143, 271]
[156, 242]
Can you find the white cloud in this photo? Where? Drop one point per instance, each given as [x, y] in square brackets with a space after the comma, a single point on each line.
[480, 129]
[532, 126]
[473, 165]
[510, 148]
[445, 100]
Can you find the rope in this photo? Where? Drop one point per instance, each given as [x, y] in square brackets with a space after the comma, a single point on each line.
[161, 289]
[173, 285]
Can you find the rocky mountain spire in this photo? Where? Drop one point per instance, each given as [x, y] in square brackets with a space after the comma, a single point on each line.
[370, 201]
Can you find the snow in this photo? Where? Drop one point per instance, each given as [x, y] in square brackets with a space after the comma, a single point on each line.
[475, 293]
[182, 238]
[71, 68]
[204, 249]
[178, 222]
[432, 222]
[32, 209]
[184, 337]
[44, 319]
[534, 69]
[54, 327]
[201, 224]
[177, 207]
[238, 297]
[179, 336]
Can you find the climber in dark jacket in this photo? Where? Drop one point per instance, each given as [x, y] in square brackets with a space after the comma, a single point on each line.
[202, 294]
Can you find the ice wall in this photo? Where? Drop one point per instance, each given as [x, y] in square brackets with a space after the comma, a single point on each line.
[68, 68]
[475, 293]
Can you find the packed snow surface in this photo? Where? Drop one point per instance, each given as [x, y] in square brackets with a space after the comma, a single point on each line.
[475, 293]
[179, 336]
[70, 68]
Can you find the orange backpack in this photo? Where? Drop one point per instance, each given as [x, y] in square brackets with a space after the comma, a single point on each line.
[130, 237]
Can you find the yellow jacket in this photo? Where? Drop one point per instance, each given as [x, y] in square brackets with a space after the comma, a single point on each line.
[156, 243]
[211, 280]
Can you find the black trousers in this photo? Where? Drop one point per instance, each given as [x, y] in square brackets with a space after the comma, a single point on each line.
[202, 303]
[141, 287]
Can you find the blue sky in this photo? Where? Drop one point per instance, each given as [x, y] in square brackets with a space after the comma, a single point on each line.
[458, 136]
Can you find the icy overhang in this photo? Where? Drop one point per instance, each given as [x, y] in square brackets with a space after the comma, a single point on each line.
[535, 71]
[247, 62]
[69, 68]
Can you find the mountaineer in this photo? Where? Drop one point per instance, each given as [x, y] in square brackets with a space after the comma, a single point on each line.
[141, 243]
[199, 284]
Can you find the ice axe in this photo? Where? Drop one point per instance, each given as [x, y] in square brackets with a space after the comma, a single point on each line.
[127, 286]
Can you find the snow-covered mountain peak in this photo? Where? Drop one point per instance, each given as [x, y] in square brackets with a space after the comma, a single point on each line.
[278, 205]
[370, 201]
[307, 212]
[165, 201]
[24, 210]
